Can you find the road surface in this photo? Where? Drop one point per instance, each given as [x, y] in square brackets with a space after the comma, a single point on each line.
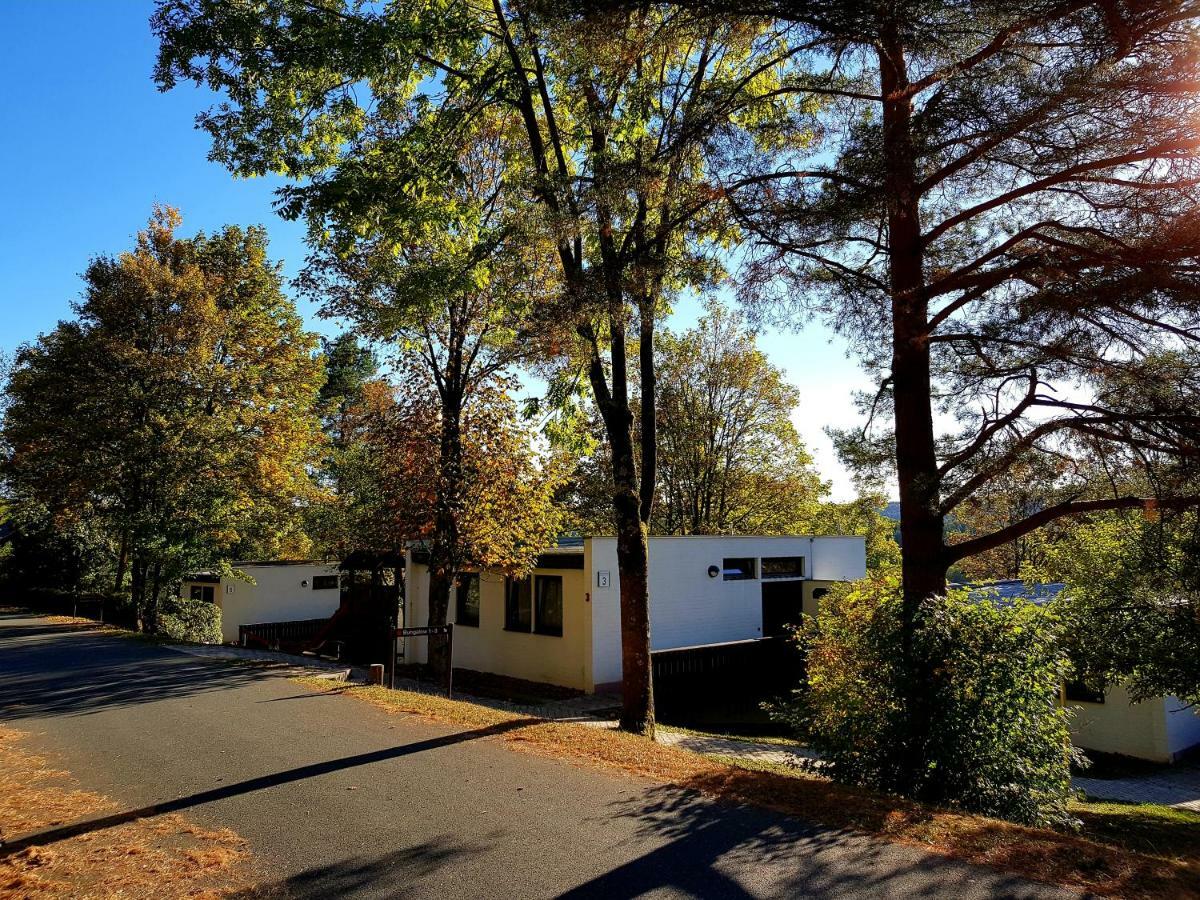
[340, 799]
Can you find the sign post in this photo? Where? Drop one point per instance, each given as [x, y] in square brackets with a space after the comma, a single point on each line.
[434, 631]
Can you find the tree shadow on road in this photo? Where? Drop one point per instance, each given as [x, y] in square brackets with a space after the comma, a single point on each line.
[64, 670]
[395, 874]
[722, 850]
[275, 779]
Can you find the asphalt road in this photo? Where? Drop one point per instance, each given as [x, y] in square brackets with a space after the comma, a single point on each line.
[338, 798]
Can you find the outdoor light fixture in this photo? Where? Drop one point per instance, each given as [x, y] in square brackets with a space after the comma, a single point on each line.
[304, 583]
[714, 571]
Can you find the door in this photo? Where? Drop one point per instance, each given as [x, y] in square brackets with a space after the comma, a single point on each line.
[782, 606]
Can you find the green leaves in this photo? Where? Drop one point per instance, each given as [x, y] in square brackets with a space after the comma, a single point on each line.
[998, 743]
[175, 414]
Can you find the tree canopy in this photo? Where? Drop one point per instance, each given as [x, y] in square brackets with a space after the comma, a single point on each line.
[175, 414]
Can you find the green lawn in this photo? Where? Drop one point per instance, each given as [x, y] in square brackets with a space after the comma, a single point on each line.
[1145, 827]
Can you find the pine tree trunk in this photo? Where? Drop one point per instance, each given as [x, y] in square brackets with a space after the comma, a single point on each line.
[923, 566]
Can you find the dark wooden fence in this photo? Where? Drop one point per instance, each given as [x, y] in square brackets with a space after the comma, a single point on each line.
[724, 681]
[289, 636]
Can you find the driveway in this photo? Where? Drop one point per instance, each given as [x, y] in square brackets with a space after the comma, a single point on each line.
[338, 798]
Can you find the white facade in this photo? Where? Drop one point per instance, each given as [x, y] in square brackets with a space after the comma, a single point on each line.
[688, 605]
[276, 592]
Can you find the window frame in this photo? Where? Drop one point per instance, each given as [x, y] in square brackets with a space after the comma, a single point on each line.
[750, 573]
[796, 574]
[201, 589]
[512, 587]
[465, 578]
[1076, 690]
[336, 586]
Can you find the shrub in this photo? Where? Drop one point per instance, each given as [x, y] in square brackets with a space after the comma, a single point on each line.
[191, 620]
[999, 742]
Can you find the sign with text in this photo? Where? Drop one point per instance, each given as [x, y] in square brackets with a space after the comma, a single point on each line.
[423, 630]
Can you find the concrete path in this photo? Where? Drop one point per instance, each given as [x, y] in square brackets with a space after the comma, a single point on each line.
[340, 799]
[1178, 787]
[291, 661]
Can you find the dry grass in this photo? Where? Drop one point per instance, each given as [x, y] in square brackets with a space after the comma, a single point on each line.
[161, 857]
[1095, 862]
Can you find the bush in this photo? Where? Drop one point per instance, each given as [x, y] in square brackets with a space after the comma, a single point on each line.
[191, 620]
[999, 743]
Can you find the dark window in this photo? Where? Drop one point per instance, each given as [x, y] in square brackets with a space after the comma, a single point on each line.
[202, 592]
[549, 591]
[466, 600]
[1081, 692]
[518, 605]
[783, 567]
[737, 568]
[325, 583]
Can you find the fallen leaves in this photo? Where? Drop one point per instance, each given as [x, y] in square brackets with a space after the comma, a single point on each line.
[165, 856]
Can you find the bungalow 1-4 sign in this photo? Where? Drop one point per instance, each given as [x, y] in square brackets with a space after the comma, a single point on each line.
[429, 631]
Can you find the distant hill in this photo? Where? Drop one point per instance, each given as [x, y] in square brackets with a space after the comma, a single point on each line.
[892, 511]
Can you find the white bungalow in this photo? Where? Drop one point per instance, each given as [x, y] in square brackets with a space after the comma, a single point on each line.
[277, 592]
[561, 625]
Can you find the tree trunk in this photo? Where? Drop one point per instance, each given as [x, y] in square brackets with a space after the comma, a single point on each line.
[153, 605]
[122, 563]
[443, 552]
[637, 694]
[137, 590]
[649, 422]
[923, 562]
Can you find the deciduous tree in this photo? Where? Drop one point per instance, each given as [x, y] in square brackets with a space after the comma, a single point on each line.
[175, 412]
[624, 123]
[730, 460]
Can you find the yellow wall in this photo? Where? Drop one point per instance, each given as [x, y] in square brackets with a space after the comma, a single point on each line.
[810, 604]
[1116, 726]
[564, 661]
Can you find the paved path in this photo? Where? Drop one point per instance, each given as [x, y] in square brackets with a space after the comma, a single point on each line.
[338, 798]
[1178, 787]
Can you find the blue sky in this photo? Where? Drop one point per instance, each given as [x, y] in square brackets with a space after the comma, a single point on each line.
[90, 146]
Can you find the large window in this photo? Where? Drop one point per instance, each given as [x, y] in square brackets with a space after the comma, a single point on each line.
[518, 605]
[737, 568]
[325, 583]
[534, 605]
[548, 618]
[202, 592]
[783, 567]
[466, 599]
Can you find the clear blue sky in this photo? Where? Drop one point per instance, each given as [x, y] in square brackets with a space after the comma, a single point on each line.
[90, 146]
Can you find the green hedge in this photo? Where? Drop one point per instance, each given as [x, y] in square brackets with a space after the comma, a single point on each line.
[999, 742]
[191, 620]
